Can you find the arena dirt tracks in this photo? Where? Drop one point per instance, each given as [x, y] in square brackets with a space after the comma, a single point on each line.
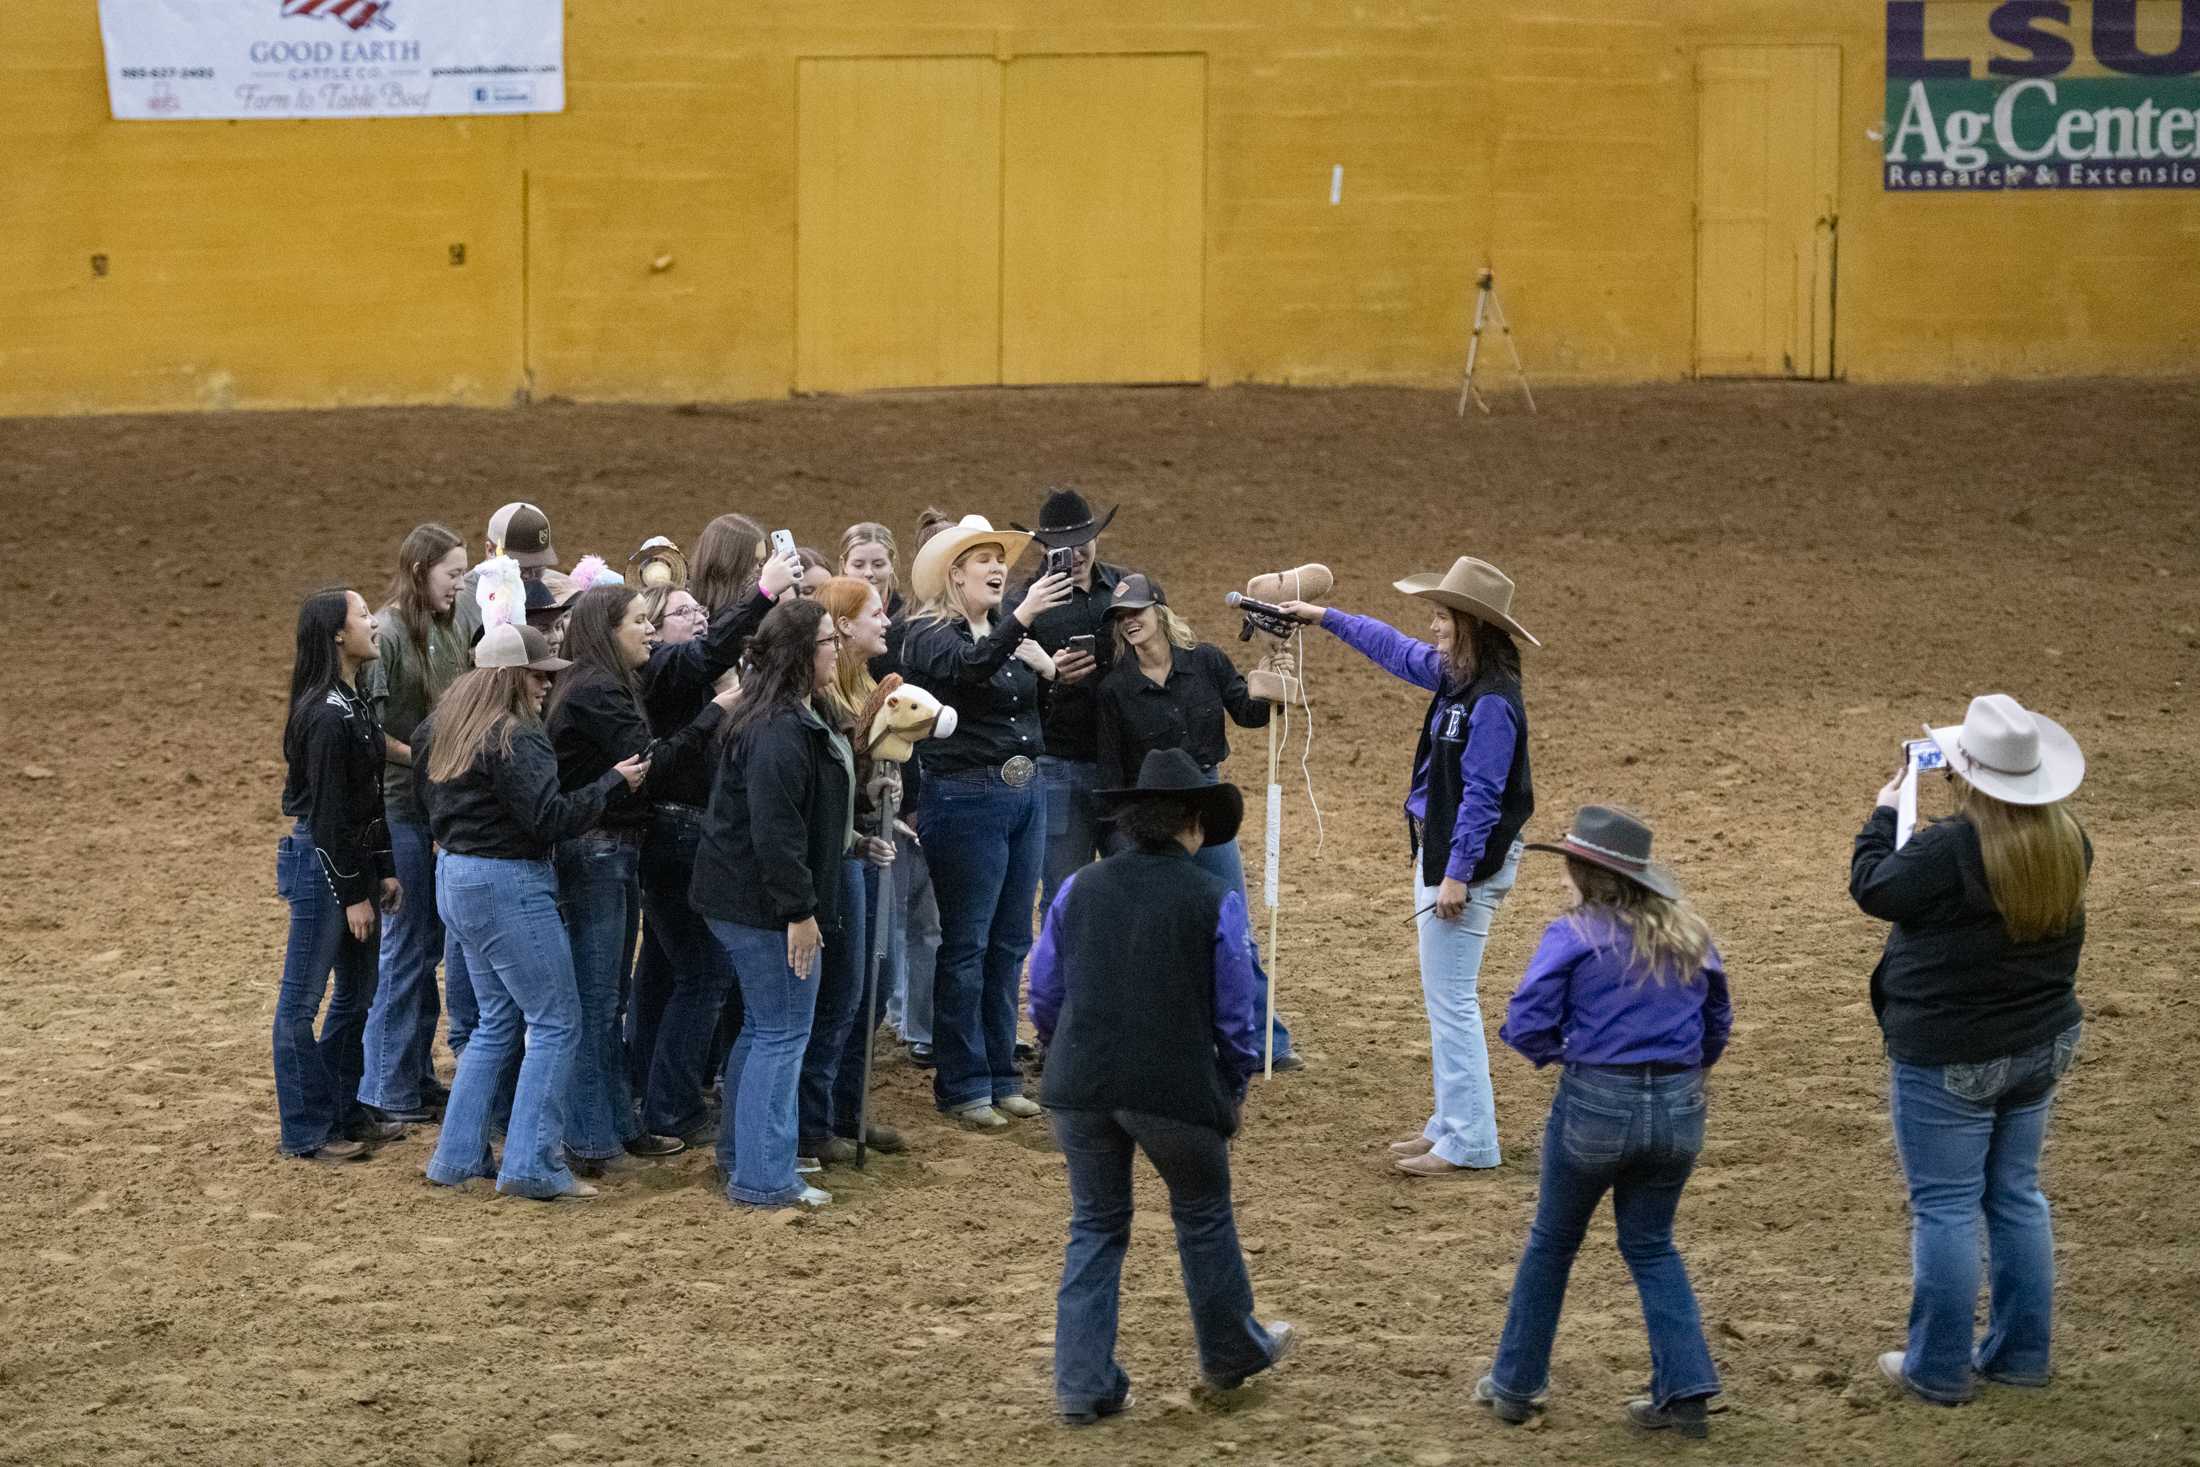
[1748, 593]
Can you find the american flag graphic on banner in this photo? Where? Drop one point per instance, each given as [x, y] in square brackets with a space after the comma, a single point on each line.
[354, 14]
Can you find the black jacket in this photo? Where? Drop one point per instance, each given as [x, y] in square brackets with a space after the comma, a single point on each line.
[1952, 988]
[678, 683]
[777, 826]
[1135, 935]
[1070, 712]
[597, 723]
[1136, 715]
[506, 806]
[334, 750]
[995, 696]
[1443, 742]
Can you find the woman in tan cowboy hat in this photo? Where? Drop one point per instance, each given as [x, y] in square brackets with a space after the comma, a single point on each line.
[1976, 995]
[981, 813]
[1469, 796]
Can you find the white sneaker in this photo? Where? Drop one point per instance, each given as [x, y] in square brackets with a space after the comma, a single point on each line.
[807, 1166]
[1020, 1107]
[813, 1197]
[980, 1118]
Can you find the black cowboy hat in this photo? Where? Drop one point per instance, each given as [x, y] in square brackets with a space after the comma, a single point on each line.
[1065, 519]
[1616, 841]
[1170, 774]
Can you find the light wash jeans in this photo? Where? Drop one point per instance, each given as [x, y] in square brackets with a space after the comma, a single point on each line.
[1463, 1128]
[756, 1137]
[400, 1038]
[913, 948]
[1970, 1139]
[1074, 827]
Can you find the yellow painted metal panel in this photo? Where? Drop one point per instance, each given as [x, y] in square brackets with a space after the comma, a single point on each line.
[1767, 154]
[1104, 219]
[899, 225]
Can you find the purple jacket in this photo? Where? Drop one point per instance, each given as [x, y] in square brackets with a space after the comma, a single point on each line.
[1584, 1002]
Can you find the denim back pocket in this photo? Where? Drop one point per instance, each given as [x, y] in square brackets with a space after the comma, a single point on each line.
[286, 868]
[1595, 1135]
[1686, 1116]
[2066, 1050]
[1978, 1083]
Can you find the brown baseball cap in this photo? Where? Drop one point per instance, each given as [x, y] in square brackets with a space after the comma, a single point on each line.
[522, 531]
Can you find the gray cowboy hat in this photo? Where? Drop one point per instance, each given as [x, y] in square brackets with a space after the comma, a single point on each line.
[1473, 586]
[1616, 841]
[1170, 774]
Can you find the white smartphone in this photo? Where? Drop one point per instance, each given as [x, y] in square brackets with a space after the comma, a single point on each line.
[782, 544]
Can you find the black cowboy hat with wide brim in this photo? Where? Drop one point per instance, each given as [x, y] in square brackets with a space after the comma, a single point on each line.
[1066, 519]
[1616, 841]
[1170, 774]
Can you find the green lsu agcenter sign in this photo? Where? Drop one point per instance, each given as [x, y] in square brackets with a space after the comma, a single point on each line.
[2027, 123]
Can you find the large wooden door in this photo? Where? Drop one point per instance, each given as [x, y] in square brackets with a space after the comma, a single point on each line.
[1767, 143]
[1103, 231]
[898, 223]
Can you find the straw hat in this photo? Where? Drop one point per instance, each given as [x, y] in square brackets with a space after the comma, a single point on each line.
[928, 576]
[1616, 841]
[1473, 586]
[2005, 750]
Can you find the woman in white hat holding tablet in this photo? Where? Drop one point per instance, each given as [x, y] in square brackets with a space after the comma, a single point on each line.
[981, 814]
[1976, 995]
[1468, 799]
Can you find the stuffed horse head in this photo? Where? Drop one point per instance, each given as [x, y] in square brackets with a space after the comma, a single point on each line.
[900, 715]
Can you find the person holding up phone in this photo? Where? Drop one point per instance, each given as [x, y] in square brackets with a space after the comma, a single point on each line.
[1073, 634]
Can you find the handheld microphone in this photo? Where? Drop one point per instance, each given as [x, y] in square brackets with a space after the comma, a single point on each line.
[1260, 616]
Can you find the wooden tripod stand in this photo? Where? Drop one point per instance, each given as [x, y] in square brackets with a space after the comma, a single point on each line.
[1487, 308]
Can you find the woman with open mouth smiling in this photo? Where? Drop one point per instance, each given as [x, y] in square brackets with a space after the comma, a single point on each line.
[981, 815]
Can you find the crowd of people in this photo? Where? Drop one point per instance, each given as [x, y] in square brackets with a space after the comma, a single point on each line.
[673, 883]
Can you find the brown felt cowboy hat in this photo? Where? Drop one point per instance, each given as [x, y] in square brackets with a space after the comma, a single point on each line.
[1171, 774]
[1475, 587]
[1616, 841]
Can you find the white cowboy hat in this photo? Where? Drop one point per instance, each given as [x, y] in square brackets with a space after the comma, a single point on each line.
[1473, 586]
[928, 576]
[2005, 750]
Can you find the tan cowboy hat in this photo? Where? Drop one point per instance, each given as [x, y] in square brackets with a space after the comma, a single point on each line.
[1473, 586]
[928, 576]
[2005, 750]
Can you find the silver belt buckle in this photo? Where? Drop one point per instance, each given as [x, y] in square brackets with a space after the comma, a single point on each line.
[1018, 772]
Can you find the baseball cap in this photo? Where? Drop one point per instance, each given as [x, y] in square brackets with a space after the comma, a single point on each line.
[517, 646]
[522, 531]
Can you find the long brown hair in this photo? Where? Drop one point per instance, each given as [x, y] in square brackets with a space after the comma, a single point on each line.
[729, 555]
[489, 703]
[1477, 645]
[844, 598]
[592, 644]
[781, 671]
[2035, 862]
[417, 554]
[1665, 937]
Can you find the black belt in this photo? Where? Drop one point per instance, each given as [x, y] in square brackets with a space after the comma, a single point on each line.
[625, 835]
[1016, 773]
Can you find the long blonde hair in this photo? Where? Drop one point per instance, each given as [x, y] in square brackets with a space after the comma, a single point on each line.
[844, 598]
[489, 703]
[1665, 937]
[1174, 627]
[2035, 862]
[871, 532]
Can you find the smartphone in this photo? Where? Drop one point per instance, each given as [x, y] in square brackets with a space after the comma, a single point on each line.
[1923, 754]
[1089, 645]
[1061, 560]
[782, 544]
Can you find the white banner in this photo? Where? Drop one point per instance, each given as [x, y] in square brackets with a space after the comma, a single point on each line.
[178, 59]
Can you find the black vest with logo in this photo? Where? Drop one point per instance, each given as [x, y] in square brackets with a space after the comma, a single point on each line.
[1443, 741]
[1135, 937]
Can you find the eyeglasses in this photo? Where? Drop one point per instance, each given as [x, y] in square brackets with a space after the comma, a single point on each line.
[833, 639]
[687, 611]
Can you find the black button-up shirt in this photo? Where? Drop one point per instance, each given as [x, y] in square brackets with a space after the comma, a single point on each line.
[1071, 708]
[1137, 715]
[995, 697]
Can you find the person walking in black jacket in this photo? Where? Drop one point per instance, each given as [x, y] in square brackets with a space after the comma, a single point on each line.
[767, 877]
[488, 779]
[332, 868]
[1143, 990]
[1976, 995]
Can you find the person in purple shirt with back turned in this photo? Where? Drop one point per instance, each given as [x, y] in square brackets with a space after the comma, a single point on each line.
[1628, 993]
[1468, 800]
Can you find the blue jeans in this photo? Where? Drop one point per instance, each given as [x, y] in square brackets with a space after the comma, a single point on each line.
[756, 1139]
[505, 915]
[600, 894]
[1635, 1134]
[675, 1041]
[913, 948]
[1970, 1138]
[1194, 1162]
[317, 1080]
[1074, 827]
[986, 841]
[1463, 1128]
[840, 995]
[460, 1012]
[400, 1038]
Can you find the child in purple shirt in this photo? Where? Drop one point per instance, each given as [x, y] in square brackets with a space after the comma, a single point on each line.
[1627, 993]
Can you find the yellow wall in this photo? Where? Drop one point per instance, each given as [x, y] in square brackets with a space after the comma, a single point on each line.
[642, 245]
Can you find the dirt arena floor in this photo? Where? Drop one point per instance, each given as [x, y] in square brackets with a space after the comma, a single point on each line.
[1748, 596]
